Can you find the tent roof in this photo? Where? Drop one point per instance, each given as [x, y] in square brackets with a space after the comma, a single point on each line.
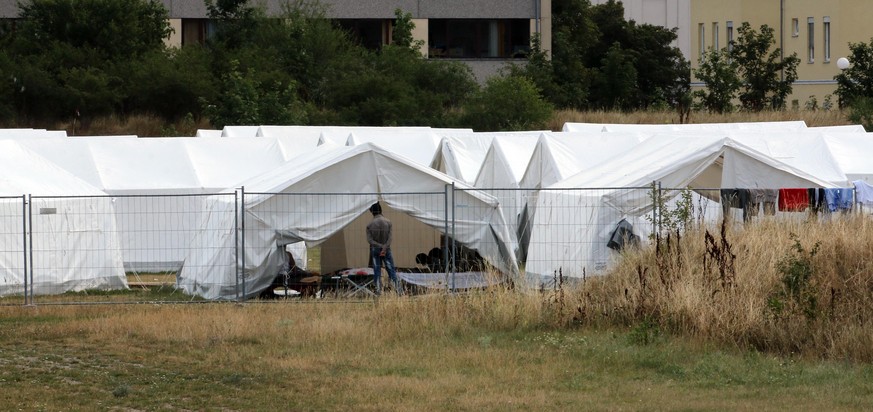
[26, 172]
[558, 156]
[506, 161]
[656, 128]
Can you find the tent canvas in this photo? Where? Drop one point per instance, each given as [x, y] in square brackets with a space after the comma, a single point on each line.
[461, 155]
[75, 239]
[572, 226]
[362, 175]
[661, 128]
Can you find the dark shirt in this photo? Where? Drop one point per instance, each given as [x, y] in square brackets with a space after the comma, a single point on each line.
[379, 232]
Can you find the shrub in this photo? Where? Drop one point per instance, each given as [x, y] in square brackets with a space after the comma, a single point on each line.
[507, 103]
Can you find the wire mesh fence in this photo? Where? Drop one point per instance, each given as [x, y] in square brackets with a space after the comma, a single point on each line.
[238, 246]
[13, 255]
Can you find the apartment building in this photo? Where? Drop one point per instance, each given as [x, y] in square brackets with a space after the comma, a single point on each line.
[485, 34]
[818, 31]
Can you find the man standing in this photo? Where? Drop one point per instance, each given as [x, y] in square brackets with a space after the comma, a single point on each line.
[379, 238]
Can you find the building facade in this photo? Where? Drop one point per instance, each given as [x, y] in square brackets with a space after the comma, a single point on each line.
[485, 34]
[818, 31]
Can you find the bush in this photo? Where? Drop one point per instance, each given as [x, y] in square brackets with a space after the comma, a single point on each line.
[507, 103]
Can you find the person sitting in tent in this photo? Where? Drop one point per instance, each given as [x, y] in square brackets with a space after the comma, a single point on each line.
[379, 238]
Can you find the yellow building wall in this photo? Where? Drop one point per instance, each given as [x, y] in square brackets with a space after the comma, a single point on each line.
[175, 39]
[849, 22]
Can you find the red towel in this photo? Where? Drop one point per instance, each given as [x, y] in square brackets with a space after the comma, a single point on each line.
[793, 200]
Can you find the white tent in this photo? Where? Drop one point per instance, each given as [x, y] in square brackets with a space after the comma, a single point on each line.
[420, 146]
[853, 153]
[31, 133]
[239, 131]
[208, 133]
[75, 243]
[360, 175]
[661, 128]
[852, 128]
[556, 157]
[160, 184]
[461, 154]
[573, 224]
[501, 170]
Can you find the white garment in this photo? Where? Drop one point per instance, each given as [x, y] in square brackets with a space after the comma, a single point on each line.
[863, 193]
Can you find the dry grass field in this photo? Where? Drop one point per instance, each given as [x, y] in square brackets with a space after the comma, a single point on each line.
[675, 328]
[490, 351]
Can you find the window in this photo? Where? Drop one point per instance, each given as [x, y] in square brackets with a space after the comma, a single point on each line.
[196, 31]
[369, 33]
[795, 27]
[730, 36]
[701, 31]
[715, 31]
[826, 28]
[810, 25]
[478, 38]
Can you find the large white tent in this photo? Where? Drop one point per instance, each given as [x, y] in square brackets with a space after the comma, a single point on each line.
[461, 155]
[159, 184]
[363, 174]
[74, 238]
[574, 221]
[662, 128]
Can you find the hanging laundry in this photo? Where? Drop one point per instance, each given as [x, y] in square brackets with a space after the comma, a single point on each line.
[816, 199]
[863, 193]
[839, 199]
[766, 197]
[793, 199]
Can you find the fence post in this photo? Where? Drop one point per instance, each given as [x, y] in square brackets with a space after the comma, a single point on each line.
[446, 236]
[29, 247]
[241, 248]
[24, 204]
[454, 212]
[660, 207]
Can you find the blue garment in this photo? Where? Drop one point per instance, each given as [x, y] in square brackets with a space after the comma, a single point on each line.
[839, 199]
[377, 268]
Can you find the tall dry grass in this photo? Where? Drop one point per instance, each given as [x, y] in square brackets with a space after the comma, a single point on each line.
[142, 125]
[812, 118]
[748, 287]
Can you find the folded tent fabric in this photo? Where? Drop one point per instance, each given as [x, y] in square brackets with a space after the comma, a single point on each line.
[793, 199]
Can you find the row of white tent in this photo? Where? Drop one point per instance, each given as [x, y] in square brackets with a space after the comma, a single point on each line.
[376, 162]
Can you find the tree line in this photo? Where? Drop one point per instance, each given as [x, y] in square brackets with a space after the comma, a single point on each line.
[83, 59]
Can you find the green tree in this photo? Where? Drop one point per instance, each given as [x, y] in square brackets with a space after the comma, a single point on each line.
[401, 33]
[856, 82]
[116, 29]
[507, 103]
[75, 56]
[766, 76]
[573, 31]
[615, 85]
[719, 72]
[243, 100]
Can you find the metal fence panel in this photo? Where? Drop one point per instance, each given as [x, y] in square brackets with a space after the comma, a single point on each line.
[13, 256]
